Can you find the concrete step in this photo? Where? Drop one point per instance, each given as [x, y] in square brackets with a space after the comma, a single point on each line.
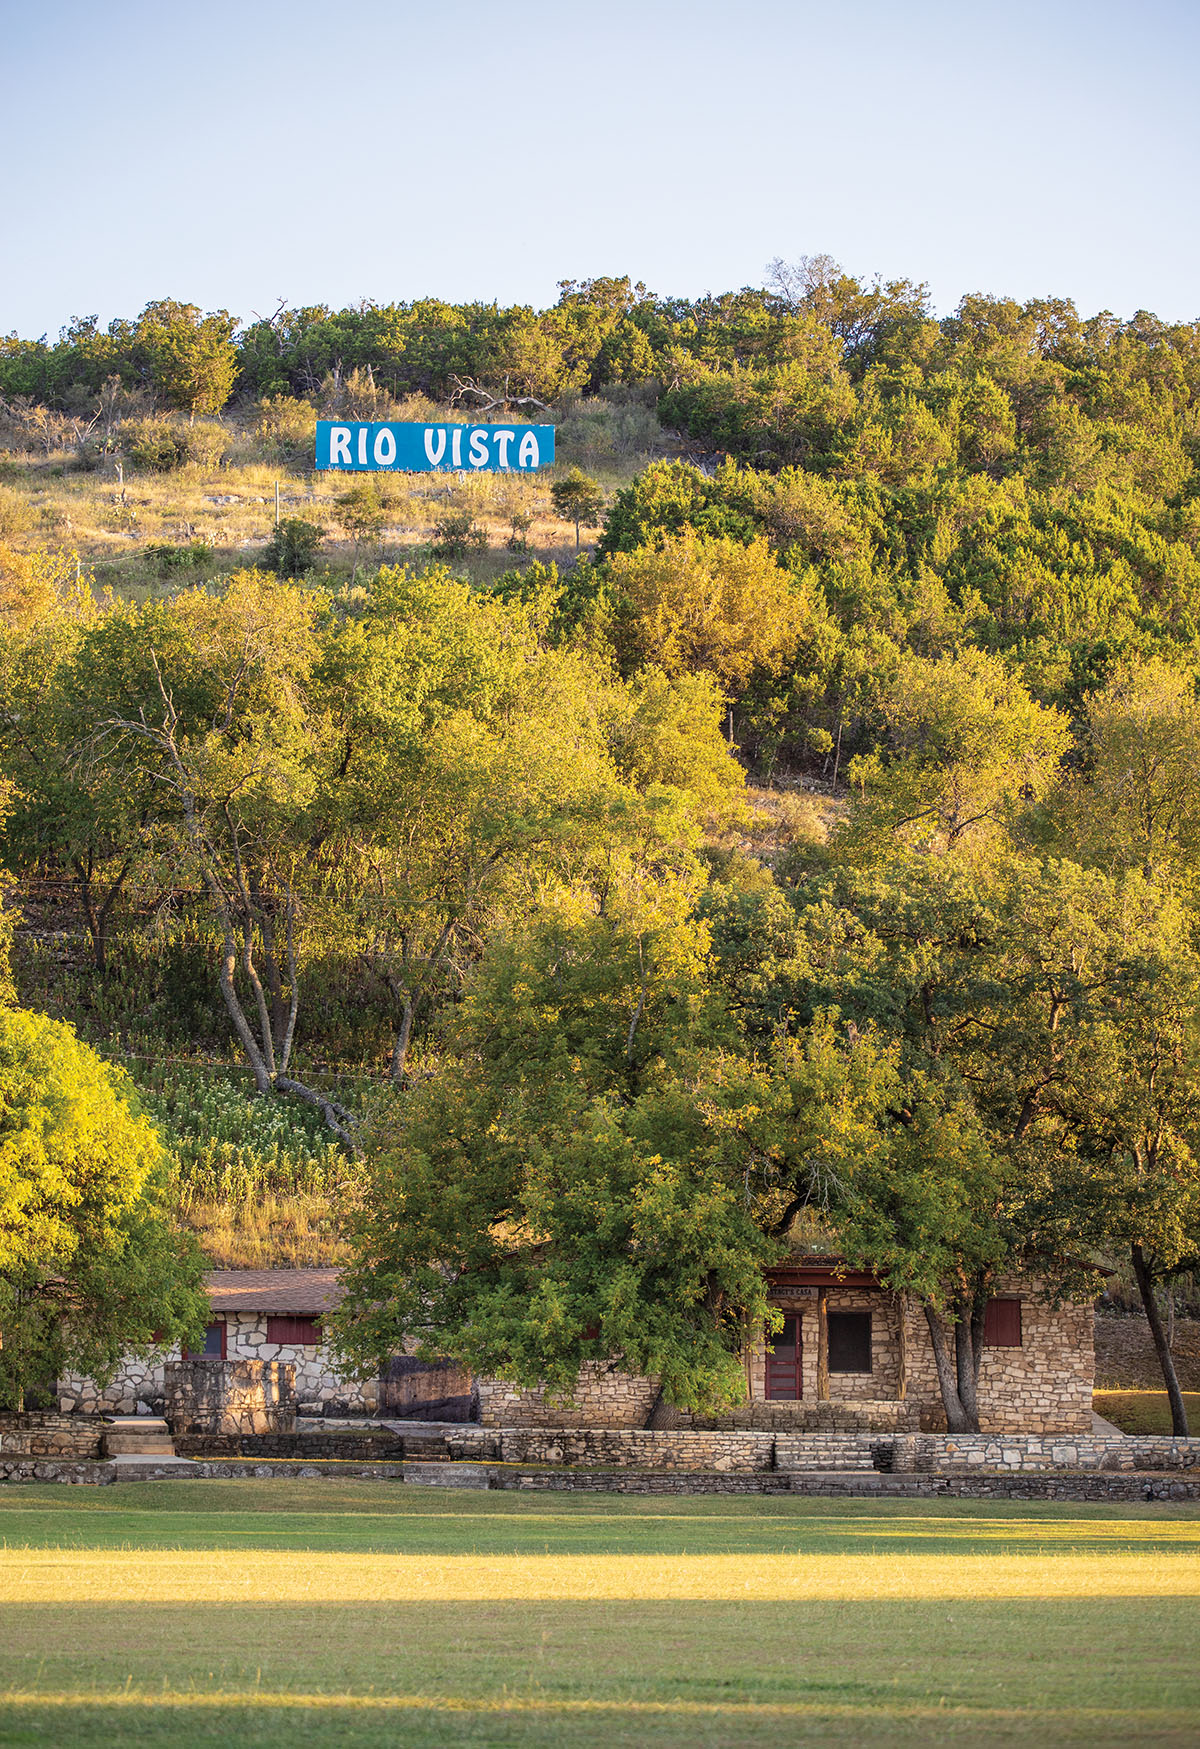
[446, 1475]
[819, 1466]
[138, 1436]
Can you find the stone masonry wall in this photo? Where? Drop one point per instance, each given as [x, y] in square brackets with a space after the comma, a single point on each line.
[601, 1399]
[318, 1383]
[1044, 1386]
[229, 1396]
[42, 1434]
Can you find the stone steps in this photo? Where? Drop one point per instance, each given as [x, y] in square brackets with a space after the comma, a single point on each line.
[426, 1448]
[138, 1436]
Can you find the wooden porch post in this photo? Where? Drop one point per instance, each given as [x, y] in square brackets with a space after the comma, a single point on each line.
[822, 1345]
[902, 1363]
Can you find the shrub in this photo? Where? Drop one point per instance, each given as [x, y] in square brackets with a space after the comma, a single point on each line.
[154, 444]
[16, 515]
[458, 534]
[293, 546]
[207, 443]
[286, 428]
[170, 558]
[159, 446]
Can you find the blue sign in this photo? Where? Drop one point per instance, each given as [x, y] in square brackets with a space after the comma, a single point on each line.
[354, 446]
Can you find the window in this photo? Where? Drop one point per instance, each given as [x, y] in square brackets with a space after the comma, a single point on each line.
[214, 1343]
[849, 1341]
[1002, 1324]
[295, 1332]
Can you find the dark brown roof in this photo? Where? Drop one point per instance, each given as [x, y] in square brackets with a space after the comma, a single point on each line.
[274, 1290]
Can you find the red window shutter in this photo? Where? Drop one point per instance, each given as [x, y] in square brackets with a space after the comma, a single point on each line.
[293, 1331]
[1002, 1324]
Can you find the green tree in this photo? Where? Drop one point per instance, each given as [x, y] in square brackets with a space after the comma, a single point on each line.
[1136, 804]
[964, 746]
[91, 1267]
[219, 710]
[292, 548]
[80, 803]
[600, 1176]
[189, 356]
[577, 499]
[708, 605]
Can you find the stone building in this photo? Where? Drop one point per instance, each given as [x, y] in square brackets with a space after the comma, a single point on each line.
[850, 1355]
[853, 1355]
[257, 1314]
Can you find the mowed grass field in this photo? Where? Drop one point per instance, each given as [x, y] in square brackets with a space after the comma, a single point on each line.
[339, 1613]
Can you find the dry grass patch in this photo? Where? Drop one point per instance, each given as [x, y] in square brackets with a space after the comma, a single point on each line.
[1144, 1412]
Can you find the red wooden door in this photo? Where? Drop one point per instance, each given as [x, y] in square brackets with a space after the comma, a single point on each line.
[783, 1361]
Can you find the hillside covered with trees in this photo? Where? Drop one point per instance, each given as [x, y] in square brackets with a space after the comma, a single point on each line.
[816, 852]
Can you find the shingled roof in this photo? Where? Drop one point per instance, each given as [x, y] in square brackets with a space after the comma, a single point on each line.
[274, 1290]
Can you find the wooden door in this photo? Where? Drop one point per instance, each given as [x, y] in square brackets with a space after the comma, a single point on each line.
[784, 1357]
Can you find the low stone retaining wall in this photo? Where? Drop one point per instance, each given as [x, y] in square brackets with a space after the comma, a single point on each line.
[1097, 1485]
[749, 1452]
[48, 1434]
[846, 1416]
[620, 1448]
[304, 1447]
[961, 1453]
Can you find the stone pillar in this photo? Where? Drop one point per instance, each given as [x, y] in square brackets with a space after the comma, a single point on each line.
[206, 1395]
[823, 1345]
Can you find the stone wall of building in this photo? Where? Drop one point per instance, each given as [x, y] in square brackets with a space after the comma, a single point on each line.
[229, 1396]
[138, 1388]
[601, 1399]
[1044, 1386]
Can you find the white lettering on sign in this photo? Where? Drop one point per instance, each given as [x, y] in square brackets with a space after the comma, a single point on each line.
[503, 444]
[362, 446]
[385, 448]
[479, 449]
[339, 445]
[456, 446]
[529, 454]
[435, 445]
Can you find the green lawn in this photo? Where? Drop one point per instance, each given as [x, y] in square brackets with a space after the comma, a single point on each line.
[1144, 1411]
[342, 1613]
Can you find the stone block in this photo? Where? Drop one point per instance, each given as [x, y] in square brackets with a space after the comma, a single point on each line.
[207, 1395]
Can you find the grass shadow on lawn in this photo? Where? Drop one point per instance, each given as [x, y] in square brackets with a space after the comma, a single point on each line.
[332, 1516]
[586, 1675]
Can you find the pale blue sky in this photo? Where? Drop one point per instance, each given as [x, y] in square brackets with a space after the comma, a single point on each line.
[238, 152]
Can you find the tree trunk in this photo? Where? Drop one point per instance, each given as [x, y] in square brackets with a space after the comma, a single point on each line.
[959, 1417]
[98, 917]
[399, 1066]
[902, 1348]
[1145, 1281]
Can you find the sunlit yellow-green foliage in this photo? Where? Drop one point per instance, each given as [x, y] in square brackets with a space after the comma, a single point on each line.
[707, 605]
[74, 1156]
